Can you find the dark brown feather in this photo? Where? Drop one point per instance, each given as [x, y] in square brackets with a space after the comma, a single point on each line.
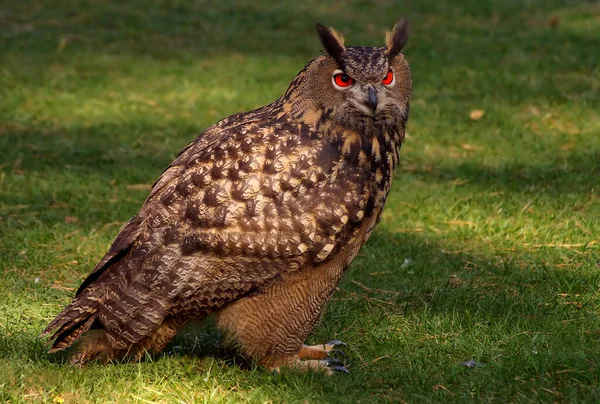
[331, 44]
[398, 38]
[117, 250]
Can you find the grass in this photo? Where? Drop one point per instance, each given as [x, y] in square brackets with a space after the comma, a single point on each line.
[489, 248]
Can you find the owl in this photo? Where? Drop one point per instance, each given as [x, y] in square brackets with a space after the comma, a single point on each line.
[256, 220]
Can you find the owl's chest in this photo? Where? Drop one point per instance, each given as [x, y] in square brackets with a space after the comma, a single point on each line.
[370, 160]
[376, 157]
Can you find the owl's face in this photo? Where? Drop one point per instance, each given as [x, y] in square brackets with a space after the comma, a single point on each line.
[360, 86]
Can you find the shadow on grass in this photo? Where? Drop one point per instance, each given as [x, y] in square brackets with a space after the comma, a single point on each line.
[437, 281]
[412, 286]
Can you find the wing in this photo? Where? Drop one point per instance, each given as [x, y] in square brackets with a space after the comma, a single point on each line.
[262, 201]
[252, 200]
[130, 232]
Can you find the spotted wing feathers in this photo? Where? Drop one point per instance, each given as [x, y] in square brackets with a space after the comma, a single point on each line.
[248, 202]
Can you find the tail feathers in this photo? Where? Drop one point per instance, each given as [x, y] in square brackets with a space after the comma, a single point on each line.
[71, 323]
[66, 336]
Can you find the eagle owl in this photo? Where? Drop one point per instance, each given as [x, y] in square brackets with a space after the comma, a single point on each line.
[256, 220]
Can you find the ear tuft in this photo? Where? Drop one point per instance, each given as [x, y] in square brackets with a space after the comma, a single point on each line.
[333, 42]
[396, 39]
[338, 36]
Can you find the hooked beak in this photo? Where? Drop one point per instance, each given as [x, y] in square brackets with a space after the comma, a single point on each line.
[372, 98]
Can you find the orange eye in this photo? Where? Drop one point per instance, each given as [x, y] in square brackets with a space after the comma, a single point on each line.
[342, 80]
[389, 78]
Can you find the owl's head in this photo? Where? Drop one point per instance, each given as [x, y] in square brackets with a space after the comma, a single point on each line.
[358, 85]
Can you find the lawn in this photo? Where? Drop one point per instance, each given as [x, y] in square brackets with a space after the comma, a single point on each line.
[489, 248]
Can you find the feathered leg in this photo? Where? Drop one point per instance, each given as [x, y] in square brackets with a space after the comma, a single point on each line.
[271, 326]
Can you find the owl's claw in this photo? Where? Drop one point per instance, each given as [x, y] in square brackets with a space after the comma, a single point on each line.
[322, 351]
[328, 365]
[331, 362]
[330, 348]
[332, 365]
[338, 352]
[340, 369]
[322, 357]
[336, 343]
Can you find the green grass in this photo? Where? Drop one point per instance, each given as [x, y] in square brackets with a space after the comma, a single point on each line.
[497, 219]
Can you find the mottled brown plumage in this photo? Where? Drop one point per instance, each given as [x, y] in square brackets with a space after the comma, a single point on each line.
[255, 220]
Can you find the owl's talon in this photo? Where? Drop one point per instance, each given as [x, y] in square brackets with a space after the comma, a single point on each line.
[340, 369]
[338, 352]
[333, 365]
[335, 343]
[330, 348]
[331, 362]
